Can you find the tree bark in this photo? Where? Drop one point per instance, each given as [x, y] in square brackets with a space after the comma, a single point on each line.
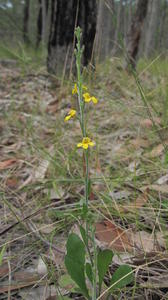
[150, 41]
[26, 22]
[41, 21]
[39, 25]
[134, 34]
[162, 26]
[65, 16]
[117, 31]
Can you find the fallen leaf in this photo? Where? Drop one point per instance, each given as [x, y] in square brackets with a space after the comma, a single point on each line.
[41, 267]
[148, 123]
[23, 276]
[12, 182]
[118, 195]
[16, 286]
[148, 242]
[160, 239]
[137, 204]
[162, 179]
[159, 188]
[139, 143]
[133, 166]
[157, 151]
[113, 236]
[7, 163]
[39, 172]
[143, 240]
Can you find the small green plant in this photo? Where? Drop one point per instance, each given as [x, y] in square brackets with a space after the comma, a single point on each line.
[2, 251]
[86, 264]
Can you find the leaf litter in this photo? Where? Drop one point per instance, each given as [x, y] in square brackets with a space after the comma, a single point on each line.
[24, 167]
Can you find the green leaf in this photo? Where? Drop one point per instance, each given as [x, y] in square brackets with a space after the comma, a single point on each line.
[89, 272]
[122, 276]
[83, 234]
[104, 259]
[66, 282]
[2, 254]
[84, 211]
[75, 262]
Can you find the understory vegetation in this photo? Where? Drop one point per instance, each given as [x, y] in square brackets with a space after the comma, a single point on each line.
[42, 176]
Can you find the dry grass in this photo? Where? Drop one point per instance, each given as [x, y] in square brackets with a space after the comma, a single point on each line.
[41, 175]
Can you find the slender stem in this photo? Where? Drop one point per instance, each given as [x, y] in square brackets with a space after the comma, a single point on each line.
[87, 178]
[94, 296]
[86, 152]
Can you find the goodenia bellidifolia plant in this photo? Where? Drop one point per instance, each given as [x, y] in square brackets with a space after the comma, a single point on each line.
[89, 274]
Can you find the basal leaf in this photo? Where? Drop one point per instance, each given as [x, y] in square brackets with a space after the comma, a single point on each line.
[104, 259]
[121, 277]
[75, 262]
[89, 272]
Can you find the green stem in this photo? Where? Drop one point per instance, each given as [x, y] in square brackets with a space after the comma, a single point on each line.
[87, 178]
[86, 152]
[94, 294]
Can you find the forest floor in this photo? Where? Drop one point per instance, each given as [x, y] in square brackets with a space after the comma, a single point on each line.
[41, 172]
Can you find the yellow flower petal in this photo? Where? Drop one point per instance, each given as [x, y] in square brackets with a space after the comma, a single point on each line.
[87, 97]
[75, 89]
[70, 115]
[91, 144]
[86, 142]
[85, 146]
[84, 87]
[67, 118]
[94, 99]
[72, 112]
[79, 145]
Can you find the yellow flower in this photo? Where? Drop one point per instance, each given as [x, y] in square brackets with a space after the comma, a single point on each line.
[75, 89]
[70, 115]
[86, 142]
[84, 87]
[94, 99]
[87, 98]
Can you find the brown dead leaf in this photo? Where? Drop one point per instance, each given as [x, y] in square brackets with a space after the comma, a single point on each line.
[16, 286]
[4, 270]
[137, 204]
[23, 276]
[143, 240]
[113, 236]
[53, 106]
[163, 179]
[148, 123]
[157, 151]
[7, 163]
[12, 182]
[159, 188]
[148, 242]
[139, 143]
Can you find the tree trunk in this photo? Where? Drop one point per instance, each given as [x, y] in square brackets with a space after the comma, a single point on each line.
[39, 25]
[65, 16]
[162, 26]
[151, 32]
[117, 31]
[26, 21]
[134, 33]
[41, 21]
